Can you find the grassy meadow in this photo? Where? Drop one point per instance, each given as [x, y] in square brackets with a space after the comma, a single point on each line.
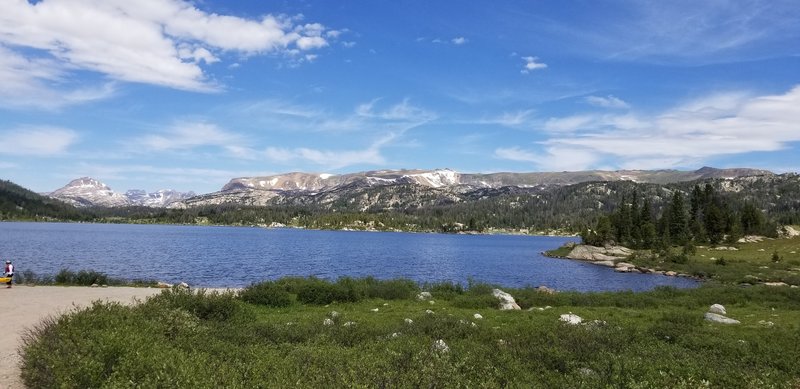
[305, 332]
[770, 260]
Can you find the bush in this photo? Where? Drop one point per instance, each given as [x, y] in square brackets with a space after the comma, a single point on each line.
[206, 306]
[680, 259]
[775, 257]
[396, 289]
[322, 293]
[82, 278]
[445, 290]
[267, 293]
[721, 261]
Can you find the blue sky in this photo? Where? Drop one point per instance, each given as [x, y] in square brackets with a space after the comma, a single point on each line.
[155, 94]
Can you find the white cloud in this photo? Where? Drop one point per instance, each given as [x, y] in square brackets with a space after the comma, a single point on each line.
[555, 158]
[159, 42]
[403, 111]
[721, 124]
[186, 136]
[37, 141]
[569, 124]
[516, 154]
[607, 102]
[34, 82]
[459, 40]
[507, 119]
[531, 64]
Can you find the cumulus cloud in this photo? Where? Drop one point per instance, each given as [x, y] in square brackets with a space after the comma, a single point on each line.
[531, 64]
[37, 141]
[607, 102]
[160, 42]
[459, 40]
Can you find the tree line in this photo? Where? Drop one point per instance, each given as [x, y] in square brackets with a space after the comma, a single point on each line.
[708, 218]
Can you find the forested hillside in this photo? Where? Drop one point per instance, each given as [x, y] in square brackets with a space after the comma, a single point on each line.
[18, 203]
[411, 207]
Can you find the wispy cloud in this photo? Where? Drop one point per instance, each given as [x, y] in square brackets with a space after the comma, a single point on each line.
[459, 40]
[332, 159]
[160, 42]
[42, 83]
[186, 136]
[686, 32]
[607, 102]
[531, 64]
[686, 135]
[37, 141]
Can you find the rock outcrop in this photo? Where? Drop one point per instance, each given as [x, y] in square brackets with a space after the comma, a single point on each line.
[595, 253]
[507, 301]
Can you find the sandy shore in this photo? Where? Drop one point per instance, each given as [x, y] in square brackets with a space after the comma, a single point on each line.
[24, 306]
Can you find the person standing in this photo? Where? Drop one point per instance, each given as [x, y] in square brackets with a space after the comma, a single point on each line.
[9, 272]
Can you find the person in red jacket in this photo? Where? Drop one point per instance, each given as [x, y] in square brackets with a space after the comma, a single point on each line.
[9, 272]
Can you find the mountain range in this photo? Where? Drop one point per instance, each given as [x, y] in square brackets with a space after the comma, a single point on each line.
[391, 189]
[88, 192]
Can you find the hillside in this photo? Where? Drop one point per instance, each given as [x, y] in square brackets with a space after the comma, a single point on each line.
[18, 203]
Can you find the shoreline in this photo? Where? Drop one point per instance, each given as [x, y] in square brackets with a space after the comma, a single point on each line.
[345, 229]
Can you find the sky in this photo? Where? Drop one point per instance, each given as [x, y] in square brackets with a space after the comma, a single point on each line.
[186, 95]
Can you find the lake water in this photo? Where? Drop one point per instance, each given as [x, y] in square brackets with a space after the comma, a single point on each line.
[239, 256]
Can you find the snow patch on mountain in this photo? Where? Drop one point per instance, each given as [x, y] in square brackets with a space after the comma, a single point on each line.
[89, 192]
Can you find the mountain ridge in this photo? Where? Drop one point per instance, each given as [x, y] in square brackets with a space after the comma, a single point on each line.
[302, 187]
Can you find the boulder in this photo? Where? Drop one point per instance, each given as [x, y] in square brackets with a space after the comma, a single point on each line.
[670, 273]
[608, 263]
[571, 318]
[595, 253]
[349, 324]
[717, 318]
[440, 346]
[424, 296]
[776, 284]
[507, 302]
[718, 309]
[408, 321]
[163, 285]
[327, 322]
[544, 289]
[477, 316]
[374, 309]
[429, 312]
[183, 285]
[334, 314]
[95, 286]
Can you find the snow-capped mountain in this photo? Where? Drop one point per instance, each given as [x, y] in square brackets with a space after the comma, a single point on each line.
[299, 188]
[88, 192]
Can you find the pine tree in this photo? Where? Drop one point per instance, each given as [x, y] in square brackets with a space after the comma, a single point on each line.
[678, 228]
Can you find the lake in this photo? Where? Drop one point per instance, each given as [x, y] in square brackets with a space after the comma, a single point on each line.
[239, 256]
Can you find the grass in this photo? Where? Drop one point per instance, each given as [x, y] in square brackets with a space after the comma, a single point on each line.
[268, 336]
[749, 263]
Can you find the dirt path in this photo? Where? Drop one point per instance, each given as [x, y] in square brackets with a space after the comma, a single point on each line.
[24, 306]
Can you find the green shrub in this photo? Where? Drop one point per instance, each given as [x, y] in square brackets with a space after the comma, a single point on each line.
[267, 293]
[444, 290]
[395, 289]
[322, 293]
[82, 278]
[206, 306]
